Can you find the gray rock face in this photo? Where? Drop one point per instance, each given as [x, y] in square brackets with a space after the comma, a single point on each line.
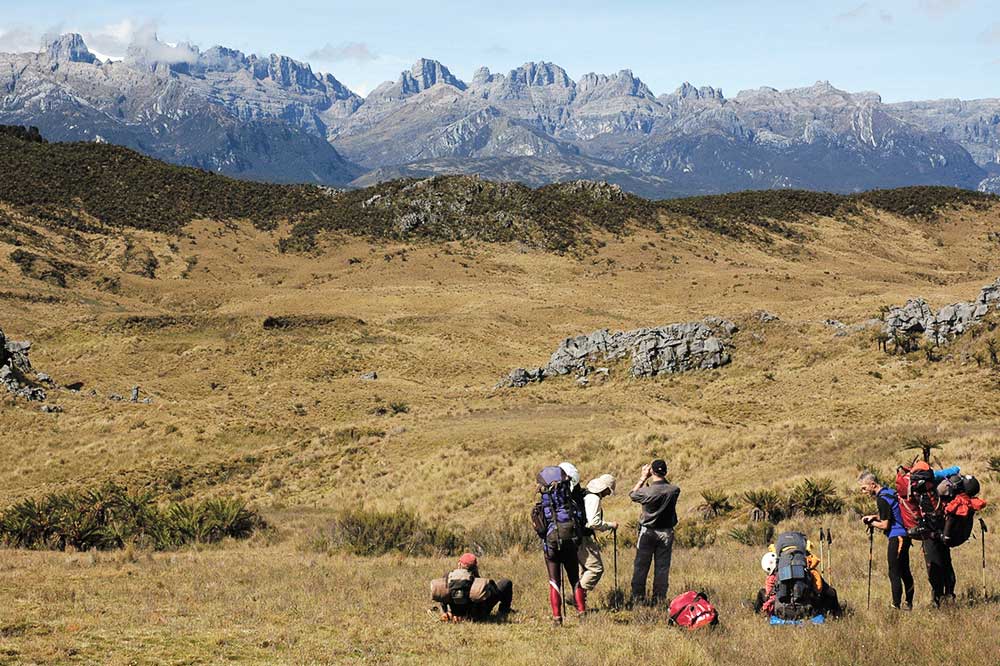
[274, 118]
[250, 117]
[15, 368]
[651, 351]
[975, 124]
[990, 185]
[69, 48]
[916, 317]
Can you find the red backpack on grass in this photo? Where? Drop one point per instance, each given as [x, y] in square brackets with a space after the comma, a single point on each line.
[693, 610]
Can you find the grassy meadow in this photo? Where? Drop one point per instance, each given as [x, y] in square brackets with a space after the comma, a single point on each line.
[278, 416]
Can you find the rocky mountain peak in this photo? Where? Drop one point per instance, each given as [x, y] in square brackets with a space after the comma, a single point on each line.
[537, 74]
[688, 91]
[69, 48]
[603, 86]
[290, 73]
[426, 73]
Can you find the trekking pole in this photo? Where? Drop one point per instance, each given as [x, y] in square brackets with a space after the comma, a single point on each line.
[614, 536]
[984, 530]
[829, 552]
[822, 559]
[871, 558]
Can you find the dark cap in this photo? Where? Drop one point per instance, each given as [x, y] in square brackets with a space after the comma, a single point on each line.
[659, 467]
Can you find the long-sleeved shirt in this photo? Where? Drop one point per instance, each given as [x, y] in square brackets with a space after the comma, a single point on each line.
[595, 513]
[659, 505]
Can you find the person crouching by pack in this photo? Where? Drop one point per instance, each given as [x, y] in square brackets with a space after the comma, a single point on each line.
[794, 589]
[656, 530]
[465, 595]
[555, 518]
[889, 519]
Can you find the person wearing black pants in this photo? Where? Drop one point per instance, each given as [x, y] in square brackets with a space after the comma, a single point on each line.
[940, 572]
[890, 521]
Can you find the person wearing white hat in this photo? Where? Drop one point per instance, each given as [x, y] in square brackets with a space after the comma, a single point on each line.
[765, 596]
[589, 554]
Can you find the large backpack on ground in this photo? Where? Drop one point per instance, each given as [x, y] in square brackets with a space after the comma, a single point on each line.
[795, 596]
[555, 516]
[959, 493]
[693, 610]
[919, 503]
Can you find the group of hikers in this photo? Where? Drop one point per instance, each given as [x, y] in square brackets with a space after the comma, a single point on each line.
[934, 506]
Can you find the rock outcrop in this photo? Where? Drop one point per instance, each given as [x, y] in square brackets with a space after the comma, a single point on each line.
[916, 317]
[15, 368]
[698, 345]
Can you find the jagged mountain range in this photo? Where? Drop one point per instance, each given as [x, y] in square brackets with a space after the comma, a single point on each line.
[276, 119]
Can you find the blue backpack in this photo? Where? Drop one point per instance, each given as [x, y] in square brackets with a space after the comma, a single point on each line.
[555, 516]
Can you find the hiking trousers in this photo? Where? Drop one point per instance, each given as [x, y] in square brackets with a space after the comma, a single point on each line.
[940, 572]
[900, 576]
[591, 564]
[557, 560]
[504, 596]
[654, 546]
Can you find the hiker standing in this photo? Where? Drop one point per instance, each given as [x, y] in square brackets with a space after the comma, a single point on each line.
[591, 564]
[889, 519]
[940, 571]
[656, 530]
[465, 595]
[556, 519]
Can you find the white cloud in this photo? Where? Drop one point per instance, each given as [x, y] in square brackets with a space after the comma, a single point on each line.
[863, 11]
[19, 39]
[991, 35]
[938, 7]
[349, 51]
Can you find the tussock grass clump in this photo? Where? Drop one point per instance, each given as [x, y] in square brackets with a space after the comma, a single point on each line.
[766, 504]
[367, 533]
[112, 516]
[815, 498]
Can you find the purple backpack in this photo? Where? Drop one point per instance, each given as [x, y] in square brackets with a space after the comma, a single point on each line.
[554, 516]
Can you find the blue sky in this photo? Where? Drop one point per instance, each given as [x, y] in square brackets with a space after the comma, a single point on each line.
[904, 49]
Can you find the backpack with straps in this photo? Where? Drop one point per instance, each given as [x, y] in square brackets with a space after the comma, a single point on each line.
[960, 494]
[460, 587]
[920, 506]
[693, 610]
[795, 596]
[555, 516]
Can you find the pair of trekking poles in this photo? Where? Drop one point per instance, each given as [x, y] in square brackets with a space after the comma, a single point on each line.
[871, 556]
[617, 596]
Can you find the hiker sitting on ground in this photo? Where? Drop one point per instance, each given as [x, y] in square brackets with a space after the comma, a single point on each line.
[656, 530]
[465, 595]
[890, 521]
[794, 588]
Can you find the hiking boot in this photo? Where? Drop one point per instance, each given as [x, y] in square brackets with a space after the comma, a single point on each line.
[557, 622]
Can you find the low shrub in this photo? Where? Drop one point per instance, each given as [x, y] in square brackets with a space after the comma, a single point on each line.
[111, 516]
[367, 533]
[753, 534]
[498, 539]
[694, 534]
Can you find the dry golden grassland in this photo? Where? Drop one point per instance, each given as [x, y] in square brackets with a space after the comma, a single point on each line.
[281, 418]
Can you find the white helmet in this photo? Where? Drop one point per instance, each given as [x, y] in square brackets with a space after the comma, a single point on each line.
[571, 472]
[769, 562]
